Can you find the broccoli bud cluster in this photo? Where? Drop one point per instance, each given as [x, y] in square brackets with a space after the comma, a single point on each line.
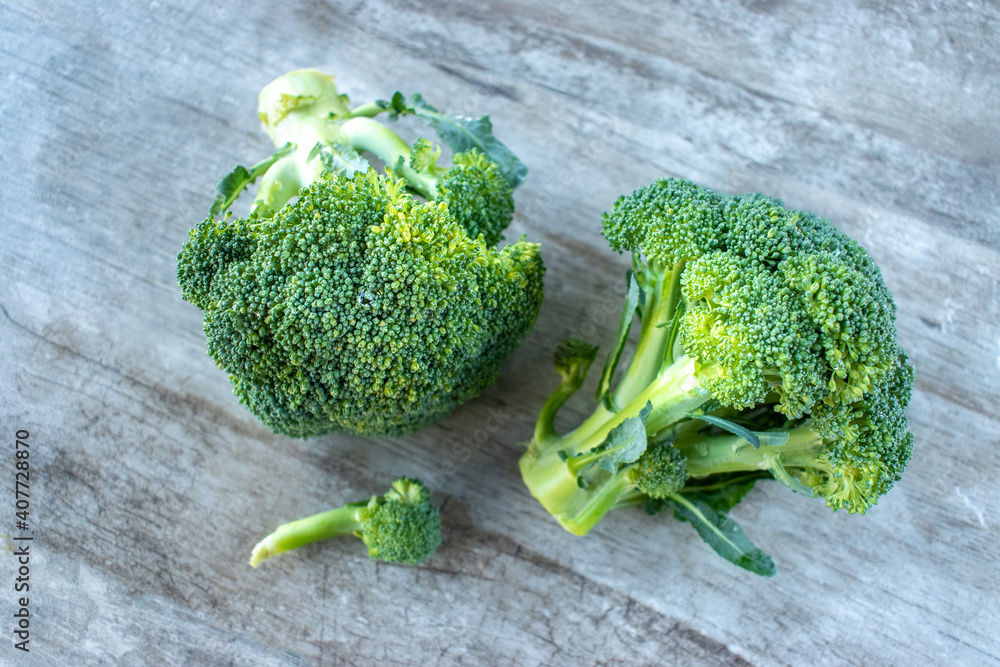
[767, 349]
[352, 300]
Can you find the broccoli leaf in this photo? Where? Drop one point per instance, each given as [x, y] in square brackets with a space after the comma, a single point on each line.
[727, 493]
[625, 443]
[339, 158]
[785, 478]
[723, 534]
[615, 354]
[236, 181]
[755, 438]
[460, 133]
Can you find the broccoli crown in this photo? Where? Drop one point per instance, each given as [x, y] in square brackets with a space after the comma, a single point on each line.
[573, 357]
[865, 445]
[478, 195]
[767, 349]
[776, 300]
[660, 471]
[357, 308]
[402, 526]
[344, 301]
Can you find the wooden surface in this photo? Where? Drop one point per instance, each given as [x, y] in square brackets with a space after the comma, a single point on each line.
[151, 483]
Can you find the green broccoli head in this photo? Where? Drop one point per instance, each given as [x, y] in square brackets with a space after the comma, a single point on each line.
[400, 526]
[774, 300]
[767, 349]
[344, 302]
[361, 309]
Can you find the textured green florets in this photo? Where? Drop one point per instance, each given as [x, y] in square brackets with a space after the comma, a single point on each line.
[402, 526]
[865, 444]
[360, 309]
[478, 195]
[213, 245]
[349, 300]
[777, 300]
[660, 471]
[668, 221]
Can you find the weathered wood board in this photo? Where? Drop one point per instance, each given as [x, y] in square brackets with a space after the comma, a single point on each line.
[150, 483]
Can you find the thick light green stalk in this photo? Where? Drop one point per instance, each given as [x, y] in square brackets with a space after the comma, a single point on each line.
[305, 108]
[555, 486]
[662, 291]
[730, 453]
[553, 479]
[674, 392]
[333, 523]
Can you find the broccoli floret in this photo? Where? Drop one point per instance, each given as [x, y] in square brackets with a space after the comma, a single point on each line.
[344, 302]
[401, 526]
[660, 471]
[767, 348]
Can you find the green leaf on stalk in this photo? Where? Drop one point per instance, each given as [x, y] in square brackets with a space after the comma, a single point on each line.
[615, 354]
[723, 535]
[460, 133]
[235, 182]
[625, 443]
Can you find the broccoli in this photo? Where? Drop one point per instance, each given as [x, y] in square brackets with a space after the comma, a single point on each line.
[401, 526]
[767, 349]
[359, 301]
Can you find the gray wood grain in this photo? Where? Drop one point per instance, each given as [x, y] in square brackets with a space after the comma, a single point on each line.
[152, 483]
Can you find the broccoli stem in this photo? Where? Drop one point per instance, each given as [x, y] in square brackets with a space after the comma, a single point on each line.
[545, 425]
[552, 482]
[553, 478]
[369, 110]
[674, 392]
[662, 292]
[305, 108]
[710, 455]
[365, 134]
[332, 523]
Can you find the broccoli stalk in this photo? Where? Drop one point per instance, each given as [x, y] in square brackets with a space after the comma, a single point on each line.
[304, 111]
[401, 526]
[767, 348]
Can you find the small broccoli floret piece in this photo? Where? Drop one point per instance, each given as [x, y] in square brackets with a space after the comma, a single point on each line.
[476, 193]
[345, 302]
[767, 348]
[400, 526]
[660, 472]
[214, 245]
[572, 359]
